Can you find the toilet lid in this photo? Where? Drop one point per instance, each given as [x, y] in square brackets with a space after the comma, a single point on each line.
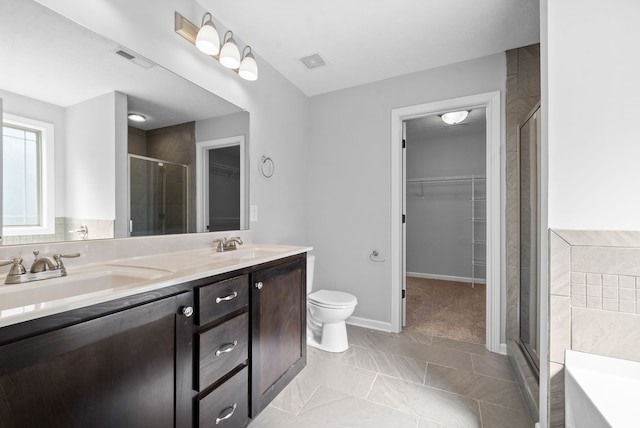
[330, 298]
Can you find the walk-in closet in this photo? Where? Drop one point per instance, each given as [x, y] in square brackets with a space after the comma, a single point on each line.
[445, 245]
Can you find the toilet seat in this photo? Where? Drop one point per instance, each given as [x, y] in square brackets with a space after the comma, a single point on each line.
[332, 299]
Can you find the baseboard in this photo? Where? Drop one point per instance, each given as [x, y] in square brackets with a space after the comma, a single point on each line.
[446, 277]
[503, 348]
[369, 323]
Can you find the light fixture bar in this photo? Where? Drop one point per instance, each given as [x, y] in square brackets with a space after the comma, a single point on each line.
[186, 28]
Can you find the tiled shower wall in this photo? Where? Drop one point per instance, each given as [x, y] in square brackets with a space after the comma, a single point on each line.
[593, 307]
[523, 94]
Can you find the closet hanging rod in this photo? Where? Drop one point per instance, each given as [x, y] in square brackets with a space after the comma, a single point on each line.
[445, 179]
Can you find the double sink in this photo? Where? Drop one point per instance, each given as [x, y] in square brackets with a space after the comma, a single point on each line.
[117, 278]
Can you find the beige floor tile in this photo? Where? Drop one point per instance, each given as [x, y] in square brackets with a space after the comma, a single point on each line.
[338, 410]
[385, 363]
[318, 353]
[494, 365]
[479, 387]
[433, 404]
[339, 376]
[502, 417]
[434, 354]
[276, 418]
[294, 396]
[457, 345]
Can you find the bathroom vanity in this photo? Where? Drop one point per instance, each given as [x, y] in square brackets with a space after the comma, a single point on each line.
[210, 345]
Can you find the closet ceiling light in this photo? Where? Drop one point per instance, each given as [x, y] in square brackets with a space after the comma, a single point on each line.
[206, 39]
[454, 117]
[136, 117]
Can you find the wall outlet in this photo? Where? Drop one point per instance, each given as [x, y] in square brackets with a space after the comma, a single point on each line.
[253, 214]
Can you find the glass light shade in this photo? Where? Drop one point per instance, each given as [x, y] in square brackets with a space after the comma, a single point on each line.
[454, 117]
[248, 68]
[136, 117]
[229, 54]
[208, 40]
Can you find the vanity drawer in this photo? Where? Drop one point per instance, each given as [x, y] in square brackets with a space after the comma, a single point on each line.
[221, 298]
[226, 406]
[221, 349]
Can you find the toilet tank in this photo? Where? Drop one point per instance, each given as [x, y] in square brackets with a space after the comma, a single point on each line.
[311, 261]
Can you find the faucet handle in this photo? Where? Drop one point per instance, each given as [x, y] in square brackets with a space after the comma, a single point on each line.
[17, 268]
[57, 258]
[220, 243]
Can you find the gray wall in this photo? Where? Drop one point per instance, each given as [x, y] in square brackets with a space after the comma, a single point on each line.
[350, 173]
[438, 215]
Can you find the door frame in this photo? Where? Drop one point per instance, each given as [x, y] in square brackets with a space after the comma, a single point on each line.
[495, 213]
[202, 185]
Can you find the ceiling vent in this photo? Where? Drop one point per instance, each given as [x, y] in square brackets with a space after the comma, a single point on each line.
[313, 61]
[133, 57]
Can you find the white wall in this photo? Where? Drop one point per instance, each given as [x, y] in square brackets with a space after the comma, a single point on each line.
[91, 169]
[279, 111]
[593, 112]
[45, 112]
[349, 167]
[439, 234]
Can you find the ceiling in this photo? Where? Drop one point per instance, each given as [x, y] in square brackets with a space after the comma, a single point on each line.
[365, 41]
[81, 65]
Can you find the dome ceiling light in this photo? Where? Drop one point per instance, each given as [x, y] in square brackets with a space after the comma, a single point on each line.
[454, 117]
[207, 40]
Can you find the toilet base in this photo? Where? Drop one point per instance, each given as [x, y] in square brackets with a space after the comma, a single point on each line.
[332, 339]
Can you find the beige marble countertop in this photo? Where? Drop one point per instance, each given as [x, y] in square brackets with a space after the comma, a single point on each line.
[99, 282]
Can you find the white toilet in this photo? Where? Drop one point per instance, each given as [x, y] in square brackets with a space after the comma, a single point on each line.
[327, 311]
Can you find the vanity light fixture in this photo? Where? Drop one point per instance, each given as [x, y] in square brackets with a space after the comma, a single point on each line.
[206, 39]
[454, 117]
[230, 54]
[248, 67]
[136, 117]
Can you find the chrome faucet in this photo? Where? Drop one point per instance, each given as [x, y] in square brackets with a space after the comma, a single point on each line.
[42, 268]
[224, 244]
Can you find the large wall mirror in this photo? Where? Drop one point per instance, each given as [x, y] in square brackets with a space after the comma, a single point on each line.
[75, 166]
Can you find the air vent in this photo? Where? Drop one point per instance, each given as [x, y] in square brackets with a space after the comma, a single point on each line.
[133, 57]
[313, 61]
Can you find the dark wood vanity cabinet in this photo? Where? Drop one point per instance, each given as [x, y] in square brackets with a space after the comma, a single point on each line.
[123, 369]
[211, 352]
[278, 326]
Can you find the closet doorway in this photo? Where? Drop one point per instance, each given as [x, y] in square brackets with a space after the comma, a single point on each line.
[494, 161]
[445, 228]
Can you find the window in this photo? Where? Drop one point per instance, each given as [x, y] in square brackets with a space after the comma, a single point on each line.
[27, 176]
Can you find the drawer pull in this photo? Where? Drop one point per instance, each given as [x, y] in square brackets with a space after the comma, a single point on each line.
[228, 347]
[259, 285]
[226, 298]
[231, 410]
[187, 311]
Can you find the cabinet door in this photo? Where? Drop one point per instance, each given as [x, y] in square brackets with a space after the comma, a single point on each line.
[279, 317]
[118, 370]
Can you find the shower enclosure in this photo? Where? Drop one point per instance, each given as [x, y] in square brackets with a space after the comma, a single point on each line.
[529, 187]
[158, 197]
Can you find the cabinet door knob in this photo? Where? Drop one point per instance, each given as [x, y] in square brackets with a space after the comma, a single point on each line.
[230, 411]
[259, 285]
[187, 311]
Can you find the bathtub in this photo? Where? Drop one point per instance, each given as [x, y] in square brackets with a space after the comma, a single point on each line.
[601, 391]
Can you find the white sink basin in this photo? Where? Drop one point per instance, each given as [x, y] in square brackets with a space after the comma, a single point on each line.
[75, 286]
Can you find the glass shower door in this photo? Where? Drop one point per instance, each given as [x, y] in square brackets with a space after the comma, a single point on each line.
[529, 187]
[158, 198]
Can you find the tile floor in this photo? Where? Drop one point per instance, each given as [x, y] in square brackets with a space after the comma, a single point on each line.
[401, 380]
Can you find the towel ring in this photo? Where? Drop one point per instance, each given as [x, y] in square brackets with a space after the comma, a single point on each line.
[266, 166]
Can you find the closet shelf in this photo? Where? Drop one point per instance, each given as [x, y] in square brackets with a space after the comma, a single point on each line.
[445, 179]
